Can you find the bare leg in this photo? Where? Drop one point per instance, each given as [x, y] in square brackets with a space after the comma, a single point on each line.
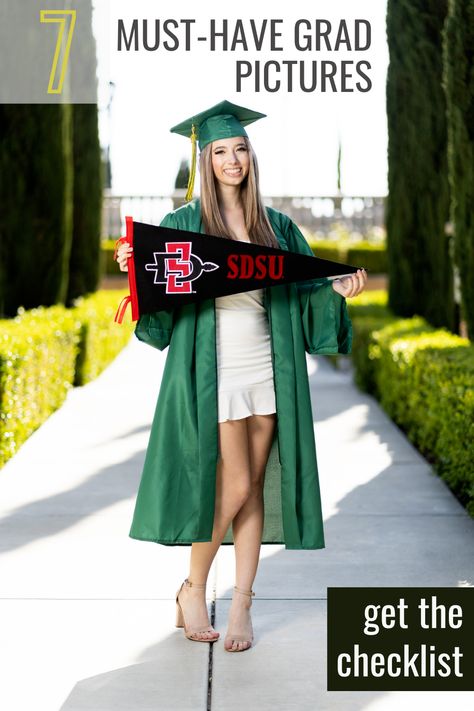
[248, 526]
[233, 485]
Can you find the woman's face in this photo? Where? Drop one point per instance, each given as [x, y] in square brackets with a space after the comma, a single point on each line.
[230, 160]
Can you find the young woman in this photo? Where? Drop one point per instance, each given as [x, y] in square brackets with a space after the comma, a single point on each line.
[232, 440]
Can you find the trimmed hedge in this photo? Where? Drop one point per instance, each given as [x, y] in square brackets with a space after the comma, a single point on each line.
[46, 351]
[38, 350]
[370, 256]
[108, 266]
[365, 254]
[101, 338]
[424, 379]
[326, 250]
[368, 313]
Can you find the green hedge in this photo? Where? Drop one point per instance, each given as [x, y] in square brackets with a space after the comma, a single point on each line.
[372, 257]
[108, 266]
[326, 250]
[38, 350]
[101, 337]
[46, 351]
[424, 379]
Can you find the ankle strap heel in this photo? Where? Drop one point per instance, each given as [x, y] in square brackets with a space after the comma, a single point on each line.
[246, 639]
[193, 634]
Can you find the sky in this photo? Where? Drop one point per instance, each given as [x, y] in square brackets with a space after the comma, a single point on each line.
[296, 144]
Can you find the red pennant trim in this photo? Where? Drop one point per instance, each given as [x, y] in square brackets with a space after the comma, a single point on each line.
[131, 271]
[132, 297]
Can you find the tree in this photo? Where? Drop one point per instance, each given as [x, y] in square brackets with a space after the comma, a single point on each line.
[182, 177]
[84, 265]
[36, 198]
[420, 272]
[85, 262]
[459, 88]
[50, 188]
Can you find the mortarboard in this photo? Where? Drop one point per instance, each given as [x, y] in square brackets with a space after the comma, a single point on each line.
[224, 120]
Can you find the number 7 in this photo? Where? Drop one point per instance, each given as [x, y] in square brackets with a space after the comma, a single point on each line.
[61, 17]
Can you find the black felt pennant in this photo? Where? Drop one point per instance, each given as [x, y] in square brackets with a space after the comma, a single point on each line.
[169, 268]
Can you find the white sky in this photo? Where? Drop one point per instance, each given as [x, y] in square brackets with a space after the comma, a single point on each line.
[296, 144]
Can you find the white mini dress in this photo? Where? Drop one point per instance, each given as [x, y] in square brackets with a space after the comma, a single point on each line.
[244, 357]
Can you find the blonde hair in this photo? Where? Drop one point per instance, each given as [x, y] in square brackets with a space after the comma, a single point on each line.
[255, 215]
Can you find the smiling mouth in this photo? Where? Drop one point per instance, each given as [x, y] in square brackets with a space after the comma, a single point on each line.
[233, 171]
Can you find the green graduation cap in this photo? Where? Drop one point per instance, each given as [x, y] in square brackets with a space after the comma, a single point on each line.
[224, 120]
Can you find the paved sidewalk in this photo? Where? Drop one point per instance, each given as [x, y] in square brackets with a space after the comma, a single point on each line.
[87, 614]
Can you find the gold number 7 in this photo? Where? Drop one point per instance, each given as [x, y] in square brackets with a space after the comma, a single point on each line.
[60, 16]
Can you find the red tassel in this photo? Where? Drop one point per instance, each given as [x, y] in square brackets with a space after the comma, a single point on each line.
[122, 308]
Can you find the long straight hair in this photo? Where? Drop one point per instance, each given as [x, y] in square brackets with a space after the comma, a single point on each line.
[255, 215]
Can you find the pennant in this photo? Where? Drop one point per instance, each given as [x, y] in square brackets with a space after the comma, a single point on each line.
[169, 268]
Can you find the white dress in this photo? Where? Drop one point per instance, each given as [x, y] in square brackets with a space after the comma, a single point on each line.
[244, 357]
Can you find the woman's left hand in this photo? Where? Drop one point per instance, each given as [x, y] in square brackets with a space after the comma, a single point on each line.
[351, 285]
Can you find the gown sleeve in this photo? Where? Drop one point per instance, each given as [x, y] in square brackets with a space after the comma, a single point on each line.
[156, 328]
[327, 327]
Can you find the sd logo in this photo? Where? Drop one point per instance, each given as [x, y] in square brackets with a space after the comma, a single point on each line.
[178, 267]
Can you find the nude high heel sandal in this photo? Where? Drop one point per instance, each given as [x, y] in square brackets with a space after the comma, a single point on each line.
[180, 621]
[240, 637]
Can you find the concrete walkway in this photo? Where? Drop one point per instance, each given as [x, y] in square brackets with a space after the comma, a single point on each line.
[87, 614]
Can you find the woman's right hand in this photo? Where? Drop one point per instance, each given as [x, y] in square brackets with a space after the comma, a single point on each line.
[123, 253]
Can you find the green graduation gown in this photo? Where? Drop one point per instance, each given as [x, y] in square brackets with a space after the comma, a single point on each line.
[176, 497]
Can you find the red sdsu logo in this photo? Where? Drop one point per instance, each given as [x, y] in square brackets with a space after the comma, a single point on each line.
[178, 267]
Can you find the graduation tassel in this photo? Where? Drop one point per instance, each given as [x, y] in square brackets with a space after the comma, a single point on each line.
[192, 171]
